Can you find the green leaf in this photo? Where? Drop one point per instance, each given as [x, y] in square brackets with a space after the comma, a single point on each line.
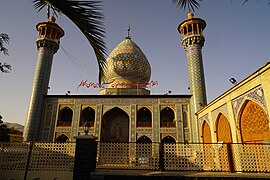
[88, 17]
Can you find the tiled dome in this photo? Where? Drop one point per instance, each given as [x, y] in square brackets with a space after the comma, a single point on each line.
[127, 64]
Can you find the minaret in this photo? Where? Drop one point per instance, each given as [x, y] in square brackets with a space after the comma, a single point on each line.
[193, 40]
[49, 34]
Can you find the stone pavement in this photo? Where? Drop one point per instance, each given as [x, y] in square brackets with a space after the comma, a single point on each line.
[108, 174]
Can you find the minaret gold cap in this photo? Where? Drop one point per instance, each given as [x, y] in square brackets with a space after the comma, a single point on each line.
[190, 15]
[52, 19]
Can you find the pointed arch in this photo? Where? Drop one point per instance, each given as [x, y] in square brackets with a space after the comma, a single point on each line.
[144, 117]
[87, 115]
[223, 129]
[168, 139]
[65, 117]
[62, 138]
[167, 117]
[115, 126]
[253, 123]
[144, 140]
[206, 133]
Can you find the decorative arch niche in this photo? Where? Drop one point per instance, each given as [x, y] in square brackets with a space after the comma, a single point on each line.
[223, 129]
[253, 123]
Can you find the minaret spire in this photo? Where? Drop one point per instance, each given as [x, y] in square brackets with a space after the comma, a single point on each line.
[128, 33]
[191, 30]
[49, 34]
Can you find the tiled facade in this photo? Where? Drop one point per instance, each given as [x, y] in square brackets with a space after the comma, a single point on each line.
[249, 100]
[128, 104]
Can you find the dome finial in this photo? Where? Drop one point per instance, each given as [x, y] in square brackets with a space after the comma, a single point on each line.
[190, 15]
[128, 35]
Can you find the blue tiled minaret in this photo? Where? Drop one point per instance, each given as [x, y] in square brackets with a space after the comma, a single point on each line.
[49, 34]
[193, 40]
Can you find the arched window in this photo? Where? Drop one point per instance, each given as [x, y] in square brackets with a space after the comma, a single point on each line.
[65, 117]
[223, 129]
[62, 138]
[254, 124]
[206, 133]
[87, 115]
[167, 117]
[144, 118]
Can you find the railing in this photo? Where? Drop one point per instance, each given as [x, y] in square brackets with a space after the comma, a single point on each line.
[144, 124]
[64, 123]
[91, 124]
[167, 124]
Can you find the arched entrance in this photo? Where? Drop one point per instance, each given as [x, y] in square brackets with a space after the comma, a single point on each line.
[223, 129]
[254, 123]
[115, 126]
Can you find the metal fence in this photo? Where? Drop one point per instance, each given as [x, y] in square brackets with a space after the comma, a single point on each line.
[59, 157]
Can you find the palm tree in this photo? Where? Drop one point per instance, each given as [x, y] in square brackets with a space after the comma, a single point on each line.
[191, 4]
[4, 38]
[87, 16]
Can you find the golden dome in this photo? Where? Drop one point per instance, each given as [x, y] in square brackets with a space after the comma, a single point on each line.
[127, 65]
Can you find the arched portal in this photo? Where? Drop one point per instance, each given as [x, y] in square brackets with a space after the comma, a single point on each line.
[115, 126]
[62, 138]
[168, 139]
[206, 132]
[223, 129]
[254, 124]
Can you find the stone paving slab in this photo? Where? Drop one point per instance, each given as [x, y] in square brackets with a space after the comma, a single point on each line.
[130, 174]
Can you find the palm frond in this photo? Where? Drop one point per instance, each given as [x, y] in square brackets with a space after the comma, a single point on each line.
[87, 16]
[5, 68]
[4, 38]
[191, 4]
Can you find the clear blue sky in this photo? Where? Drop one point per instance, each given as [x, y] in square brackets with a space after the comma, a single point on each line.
[237, 44]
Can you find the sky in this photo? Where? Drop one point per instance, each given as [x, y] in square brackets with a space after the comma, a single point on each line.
[236, 45]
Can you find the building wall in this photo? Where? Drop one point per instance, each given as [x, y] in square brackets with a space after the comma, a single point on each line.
[130, 106]
[255, 88]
